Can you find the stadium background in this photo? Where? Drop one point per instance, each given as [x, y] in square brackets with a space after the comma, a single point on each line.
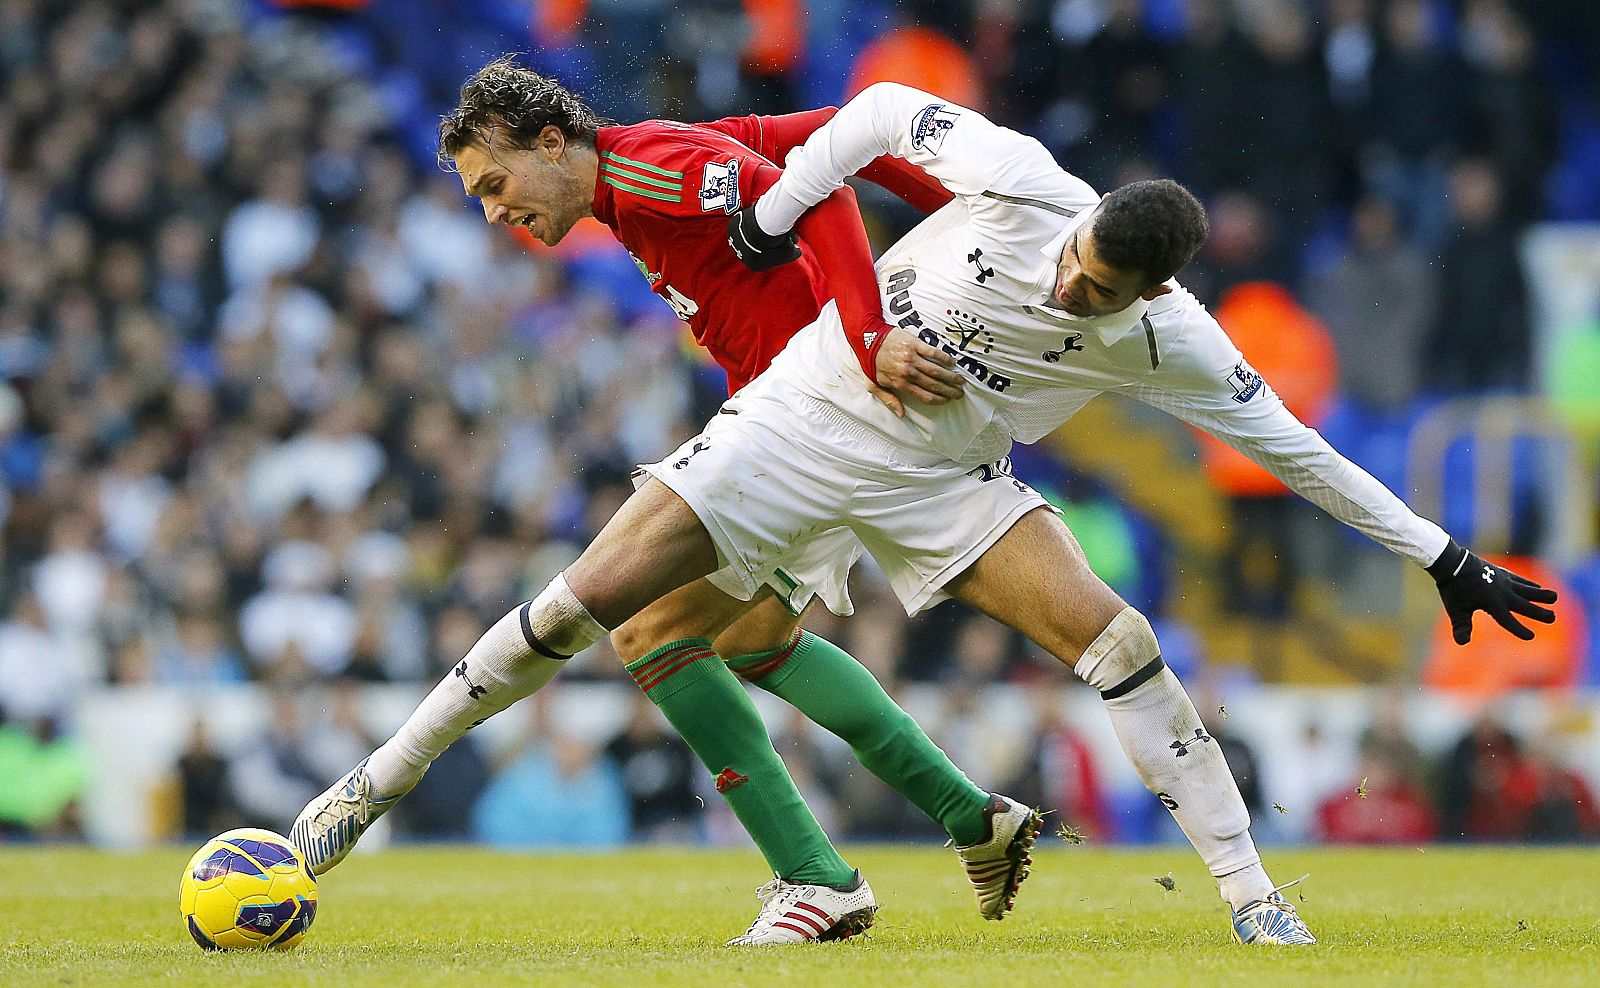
[284, 425]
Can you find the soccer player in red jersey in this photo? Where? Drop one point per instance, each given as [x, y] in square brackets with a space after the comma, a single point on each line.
[536, 156]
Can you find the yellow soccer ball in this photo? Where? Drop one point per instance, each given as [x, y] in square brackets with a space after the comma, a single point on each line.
[247, 890]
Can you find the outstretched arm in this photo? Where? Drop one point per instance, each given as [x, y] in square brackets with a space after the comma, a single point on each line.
[1207, 383]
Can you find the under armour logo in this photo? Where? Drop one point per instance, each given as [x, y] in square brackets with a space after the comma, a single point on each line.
[1068, 345]
[1182, 747]
[984, 274]
[473, 689]
[1488, 575]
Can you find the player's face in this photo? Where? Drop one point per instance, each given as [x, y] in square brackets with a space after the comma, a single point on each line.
[536, 187]
[1086, 286]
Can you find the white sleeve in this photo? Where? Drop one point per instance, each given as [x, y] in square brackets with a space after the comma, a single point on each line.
[1207, 383]
[965, 151]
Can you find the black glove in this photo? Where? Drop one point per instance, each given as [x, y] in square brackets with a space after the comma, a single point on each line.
[758, 249]
[1468, 583]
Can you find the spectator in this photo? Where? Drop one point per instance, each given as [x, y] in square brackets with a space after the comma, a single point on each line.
[557, 791]
[208, 805]
[1060, 773]
[274, 775]
[45, 774]
[1564, 810]
[1488, 789]
[1376, 300]
[37, 676]
[658, 772]
[1414, 118]
[297, 617]
[1385, 806]
[196, 653]
[440, 807]
[1481, 331]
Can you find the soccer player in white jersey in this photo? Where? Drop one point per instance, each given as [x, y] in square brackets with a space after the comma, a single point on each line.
[1046, 295]
[1022, 299]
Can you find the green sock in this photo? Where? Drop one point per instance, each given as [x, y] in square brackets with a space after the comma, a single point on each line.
[711, 710]
[827, 684]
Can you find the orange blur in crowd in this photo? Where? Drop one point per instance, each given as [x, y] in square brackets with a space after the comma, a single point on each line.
[1293, 351]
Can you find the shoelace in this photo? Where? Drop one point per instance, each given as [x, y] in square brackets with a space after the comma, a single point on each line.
[1280, 902]
[773, 898]
[349, 794]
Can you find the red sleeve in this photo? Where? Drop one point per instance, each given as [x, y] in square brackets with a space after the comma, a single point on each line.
[832, 229]
[774, 137]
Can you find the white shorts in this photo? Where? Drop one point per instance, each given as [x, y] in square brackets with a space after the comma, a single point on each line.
[820, 568]
[790, 488]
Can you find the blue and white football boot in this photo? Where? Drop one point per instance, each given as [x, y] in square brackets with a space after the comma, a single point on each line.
[1271, 920]
[326, 831]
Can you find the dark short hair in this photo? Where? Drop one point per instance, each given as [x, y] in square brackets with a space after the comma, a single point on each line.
[505, 101]
[1152, 227]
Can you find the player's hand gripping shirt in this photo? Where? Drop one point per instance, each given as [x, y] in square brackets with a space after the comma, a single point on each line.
[976, 278]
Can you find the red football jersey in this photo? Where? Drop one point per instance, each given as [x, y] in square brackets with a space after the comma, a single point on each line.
[666, 189]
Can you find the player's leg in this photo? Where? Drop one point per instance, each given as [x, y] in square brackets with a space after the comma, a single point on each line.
[1035, 579]
[518, 655]
[668, 650]
[836, 692]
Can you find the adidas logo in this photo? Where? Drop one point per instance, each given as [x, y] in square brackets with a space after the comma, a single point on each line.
[728, 780]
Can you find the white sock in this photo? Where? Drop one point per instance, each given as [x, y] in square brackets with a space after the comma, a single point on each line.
[1163, 737]
[498, 671]
[1245, 885]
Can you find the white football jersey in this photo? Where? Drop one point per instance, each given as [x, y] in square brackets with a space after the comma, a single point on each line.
[976, 279]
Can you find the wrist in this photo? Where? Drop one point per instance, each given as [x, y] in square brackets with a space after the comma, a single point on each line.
[1450, 561]
[777, 210]
[866, 345]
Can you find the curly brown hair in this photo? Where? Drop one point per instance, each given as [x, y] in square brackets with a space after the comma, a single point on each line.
[1152, 227]
[513, 104]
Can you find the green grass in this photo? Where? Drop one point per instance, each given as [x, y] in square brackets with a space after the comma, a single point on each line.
[1087, 917]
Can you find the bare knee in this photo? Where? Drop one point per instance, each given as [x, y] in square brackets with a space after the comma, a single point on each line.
[698, 610]
[768, 625]
[656, 626]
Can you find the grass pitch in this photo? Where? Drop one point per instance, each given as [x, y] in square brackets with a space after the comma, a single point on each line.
[1490, 916]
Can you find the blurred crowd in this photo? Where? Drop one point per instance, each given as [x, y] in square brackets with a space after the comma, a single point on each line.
[276, 405]
[533, 785]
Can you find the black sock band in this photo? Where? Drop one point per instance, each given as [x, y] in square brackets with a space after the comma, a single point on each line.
[1133, 682]
[533, 640]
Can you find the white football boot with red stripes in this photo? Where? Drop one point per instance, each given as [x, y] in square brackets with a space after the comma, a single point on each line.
[805, 913]
[997, 867]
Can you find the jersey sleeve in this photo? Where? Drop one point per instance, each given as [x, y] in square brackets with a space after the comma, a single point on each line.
[1207, 383]
[965, 152]
[838, 240]
[773, 137]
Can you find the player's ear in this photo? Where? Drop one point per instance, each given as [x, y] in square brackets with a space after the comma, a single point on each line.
[552, 142]
[1156, 292]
